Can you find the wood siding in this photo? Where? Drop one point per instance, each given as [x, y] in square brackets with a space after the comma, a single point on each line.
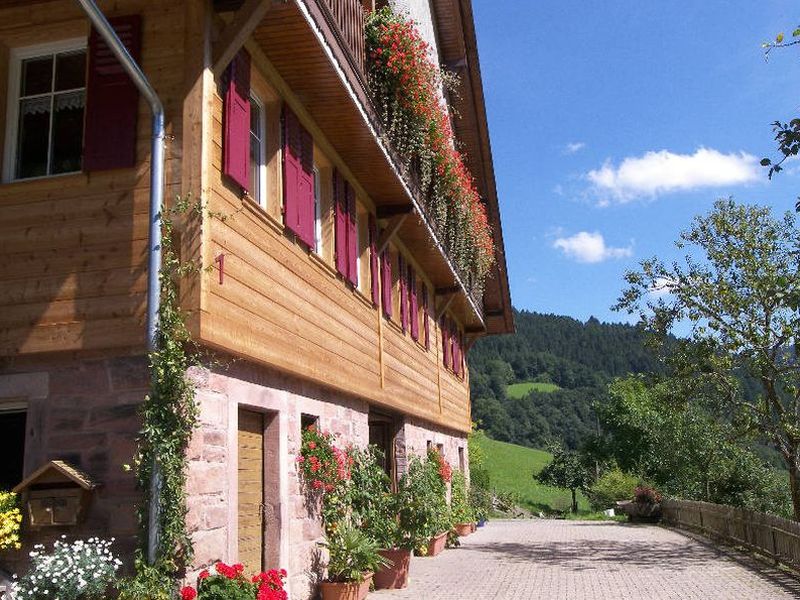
[73, 248]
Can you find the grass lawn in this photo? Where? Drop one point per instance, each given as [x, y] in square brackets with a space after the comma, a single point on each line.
[511, 469]
[520, 390]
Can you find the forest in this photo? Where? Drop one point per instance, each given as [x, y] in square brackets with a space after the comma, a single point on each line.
[580, 358]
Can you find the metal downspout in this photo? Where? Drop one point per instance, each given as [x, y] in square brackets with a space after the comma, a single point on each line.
[108, 34]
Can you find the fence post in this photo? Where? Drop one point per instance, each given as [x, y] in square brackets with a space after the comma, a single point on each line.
[774, 545]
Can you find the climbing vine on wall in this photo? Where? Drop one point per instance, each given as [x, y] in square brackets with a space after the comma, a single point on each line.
[169, 413]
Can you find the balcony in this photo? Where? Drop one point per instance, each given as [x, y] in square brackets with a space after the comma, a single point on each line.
[317, 48]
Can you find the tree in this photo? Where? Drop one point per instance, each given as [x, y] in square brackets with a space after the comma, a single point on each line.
[739, 298]
[567, 471]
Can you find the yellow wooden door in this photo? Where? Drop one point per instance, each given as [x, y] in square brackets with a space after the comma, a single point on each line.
[251, 490]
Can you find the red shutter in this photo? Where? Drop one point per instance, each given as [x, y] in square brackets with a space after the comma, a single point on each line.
[452, 335]
[426, 317]
[373, 261]
[386, 282]
[403, 277]
[340, 224]
[236, 121]
[456, 352]
[445, 342]
[112, 100]
[352, 235]
[413, 305]
[298, 178]
[461, 355]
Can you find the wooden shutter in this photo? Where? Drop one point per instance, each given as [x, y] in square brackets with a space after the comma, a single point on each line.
[386, 282]
[236, 121]
[452, 336]
[426, 316]
[374, 275]
[456, 352]
[352, 235]
[445, 342]
[403, 277]
[112, 100]
[340, 223]
[413, 305]
[298, 178]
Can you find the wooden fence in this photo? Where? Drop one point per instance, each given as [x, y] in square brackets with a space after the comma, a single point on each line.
[347, 17]
[771, 536]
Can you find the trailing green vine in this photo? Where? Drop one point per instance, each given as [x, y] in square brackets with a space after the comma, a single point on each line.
[406, 85]
[169, 416]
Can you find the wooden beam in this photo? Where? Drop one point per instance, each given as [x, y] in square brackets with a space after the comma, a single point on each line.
[385, 212]
[394, 225]
[444, 302]
[233, 37]
[474, 330]
[495, 312]
[447, 290]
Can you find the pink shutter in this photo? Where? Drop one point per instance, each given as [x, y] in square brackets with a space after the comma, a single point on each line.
[112, 100]
[452, 336]
[236, 121]
[386, 283]
[413, 305]
[445, 342]
[340, 223]
[352, 235]
[298, 178]
[426, 317]
[456, 352]
[373, 261]
[401, 266]
[461, 356]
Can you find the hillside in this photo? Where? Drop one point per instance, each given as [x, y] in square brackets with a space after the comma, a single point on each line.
[539, 384]
[511, 469]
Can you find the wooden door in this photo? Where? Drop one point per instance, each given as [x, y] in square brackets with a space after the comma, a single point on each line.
[251, 490]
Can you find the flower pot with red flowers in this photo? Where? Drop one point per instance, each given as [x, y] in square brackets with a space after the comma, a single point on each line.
[228, 582]
[353, 558]
[646, 505]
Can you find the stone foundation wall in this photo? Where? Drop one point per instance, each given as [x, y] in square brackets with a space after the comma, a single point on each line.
[83, 412]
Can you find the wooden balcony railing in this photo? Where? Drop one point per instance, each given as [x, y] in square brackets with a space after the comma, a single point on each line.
[347, 20]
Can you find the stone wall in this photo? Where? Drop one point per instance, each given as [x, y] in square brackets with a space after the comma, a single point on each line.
[83, 412]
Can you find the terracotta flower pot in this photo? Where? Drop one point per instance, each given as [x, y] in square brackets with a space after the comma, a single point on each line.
[437, 544]
[474, 527]
[463, 529]
[394, 577]
[351, 590]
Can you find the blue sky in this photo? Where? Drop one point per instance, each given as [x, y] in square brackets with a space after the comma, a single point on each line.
[614, 123]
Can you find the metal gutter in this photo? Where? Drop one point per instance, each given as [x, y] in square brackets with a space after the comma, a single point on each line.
[156, 202]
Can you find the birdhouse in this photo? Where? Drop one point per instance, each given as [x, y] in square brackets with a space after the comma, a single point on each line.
[56, 495]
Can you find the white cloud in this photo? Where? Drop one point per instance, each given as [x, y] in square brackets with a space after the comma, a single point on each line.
[588, 247]
[574, 147]
[661, 287]
[661, 172]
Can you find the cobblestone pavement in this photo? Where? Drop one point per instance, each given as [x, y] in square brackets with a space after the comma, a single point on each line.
[574, 560]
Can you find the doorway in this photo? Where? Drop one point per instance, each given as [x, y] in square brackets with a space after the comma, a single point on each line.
[251, 490]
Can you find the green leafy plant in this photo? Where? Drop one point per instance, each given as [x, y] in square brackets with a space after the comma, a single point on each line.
[81, 570]
[352, 554]
[428, 513]
[613, 486]
[407, 86]
[149, 582]
[228, 582]
[460, 508]
[375, 509]
[481, 500]
[10, 521]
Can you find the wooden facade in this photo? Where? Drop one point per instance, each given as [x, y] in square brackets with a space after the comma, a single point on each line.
[73, 248]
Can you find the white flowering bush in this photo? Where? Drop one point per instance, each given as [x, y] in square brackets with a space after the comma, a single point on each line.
[81, 570]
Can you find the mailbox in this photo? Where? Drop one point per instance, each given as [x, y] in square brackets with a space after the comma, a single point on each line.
[56, 495]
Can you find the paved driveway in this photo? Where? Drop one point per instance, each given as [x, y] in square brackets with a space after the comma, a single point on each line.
[574, 560]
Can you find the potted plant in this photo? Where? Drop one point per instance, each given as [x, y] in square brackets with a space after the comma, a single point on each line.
[429, 518]
[462, 513]
[646, 505]
[229, 582]
[353, 558]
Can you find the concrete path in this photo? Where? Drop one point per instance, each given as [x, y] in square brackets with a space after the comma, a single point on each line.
[581, 560]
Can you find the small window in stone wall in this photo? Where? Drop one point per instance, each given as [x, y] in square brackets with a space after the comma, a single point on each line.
[12, 446]
[461, 462]
[429, 445]
[440, 449]
[307, 421]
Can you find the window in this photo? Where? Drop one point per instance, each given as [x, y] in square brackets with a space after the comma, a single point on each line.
[462, 463]
[307, 421]
[317, 213]
[257, 179]
[47, 91]
[12, 445]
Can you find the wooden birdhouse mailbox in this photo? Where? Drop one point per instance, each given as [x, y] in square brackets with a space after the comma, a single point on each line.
[56, 495]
